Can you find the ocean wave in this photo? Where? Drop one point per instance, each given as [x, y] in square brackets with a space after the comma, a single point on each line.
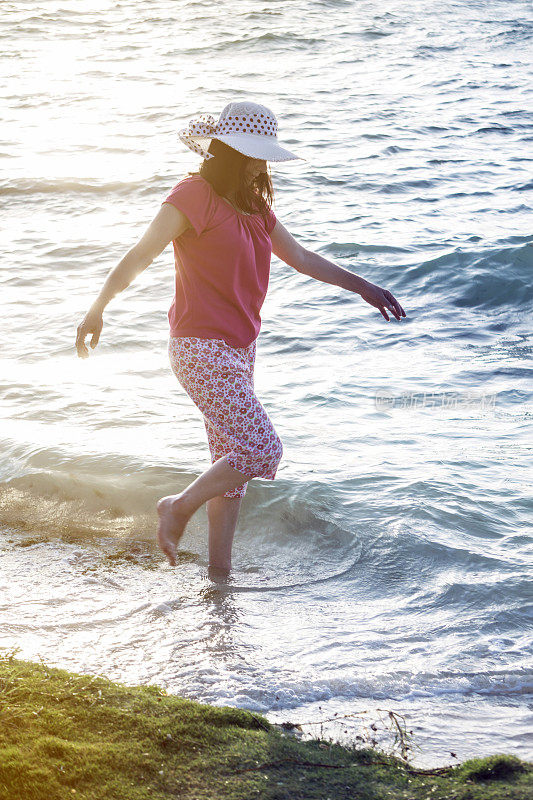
[402, 685]
[29, 187]
[490, 279]
[95, 499]
[301, 533]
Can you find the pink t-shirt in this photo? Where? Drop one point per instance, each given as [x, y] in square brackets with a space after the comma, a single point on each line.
[222, 266]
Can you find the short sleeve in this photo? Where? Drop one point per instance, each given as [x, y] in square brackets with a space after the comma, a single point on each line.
[191, 196]
[270, 221]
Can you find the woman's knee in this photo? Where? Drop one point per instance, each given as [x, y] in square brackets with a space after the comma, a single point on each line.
[259, 459]
[273, 454]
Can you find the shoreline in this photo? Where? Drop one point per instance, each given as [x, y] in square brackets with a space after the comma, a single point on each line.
[64, 734]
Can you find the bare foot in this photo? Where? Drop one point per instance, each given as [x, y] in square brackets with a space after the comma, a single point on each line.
[172, 523]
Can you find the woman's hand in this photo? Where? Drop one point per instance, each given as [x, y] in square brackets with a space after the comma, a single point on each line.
[92, 323]
[382, 299]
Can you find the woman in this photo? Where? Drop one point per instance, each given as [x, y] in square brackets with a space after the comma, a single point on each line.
[223, 230]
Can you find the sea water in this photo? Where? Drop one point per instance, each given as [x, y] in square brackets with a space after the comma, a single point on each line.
[387, 567]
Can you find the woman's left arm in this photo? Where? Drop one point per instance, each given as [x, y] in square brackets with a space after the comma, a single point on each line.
[285, 247]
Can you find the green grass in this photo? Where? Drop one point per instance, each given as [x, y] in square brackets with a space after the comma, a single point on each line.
[75, 736]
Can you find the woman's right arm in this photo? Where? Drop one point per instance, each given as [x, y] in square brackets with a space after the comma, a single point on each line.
[168, 224]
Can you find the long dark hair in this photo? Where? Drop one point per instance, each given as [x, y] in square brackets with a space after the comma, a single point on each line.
[225, 173]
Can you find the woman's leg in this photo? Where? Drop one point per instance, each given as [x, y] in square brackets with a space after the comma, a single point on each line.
[222, 513]
[175, 510]
[219, 380]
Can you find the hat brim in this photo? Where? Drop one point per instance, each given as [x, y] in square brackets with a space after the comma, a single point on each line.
[247, 145]
[262, 148]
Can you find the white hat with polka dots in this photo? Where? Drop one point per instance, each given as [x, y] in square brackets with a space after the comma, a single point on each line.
[247, 127]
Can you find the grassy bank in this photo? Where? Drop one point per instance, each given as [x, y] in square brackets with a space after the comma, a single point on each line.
[72, 736]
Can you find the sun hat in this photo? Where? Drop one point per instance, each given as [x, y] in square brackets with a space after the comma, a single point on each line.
[248, 127]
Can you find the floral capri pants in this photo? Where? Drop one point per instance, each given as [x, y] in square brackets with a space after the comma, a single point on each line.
[219, 379]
